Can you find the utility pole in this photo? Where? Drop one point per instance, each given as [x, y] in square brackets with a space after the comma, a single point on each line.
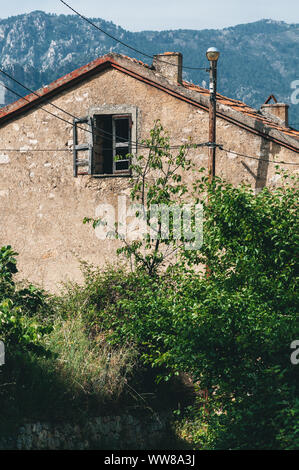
[213, 56]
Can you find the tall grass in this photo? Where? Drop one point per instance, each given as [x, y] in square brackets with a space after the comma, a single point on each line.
[89, 365]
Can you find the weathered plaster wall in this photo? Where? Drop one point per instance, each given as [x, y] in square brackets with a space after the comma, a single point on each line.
[42, 206]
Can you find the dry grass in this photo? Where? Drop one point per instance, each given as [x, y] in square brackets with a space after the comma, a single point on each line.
[89, 365]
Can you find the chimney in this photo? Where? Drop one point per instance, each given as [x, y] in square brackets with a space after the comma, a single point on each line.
[277, 112]
[169, 64]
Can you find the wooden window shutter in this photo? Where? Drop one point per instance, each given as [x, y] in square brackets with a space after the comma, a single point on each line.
[82, 147]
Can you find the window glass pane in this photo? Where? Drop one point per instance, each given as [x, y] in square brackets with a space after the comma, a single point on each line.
[122, 152]
[103, 153]
[122, 130]
[110, 131]
[122, 165]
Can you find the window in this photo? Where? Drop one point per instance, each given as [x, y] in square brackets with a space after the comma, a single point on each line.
[110, 142]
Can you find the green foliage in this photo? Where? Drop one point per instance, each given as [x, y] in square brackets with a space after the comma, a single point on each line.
[231, 330]
[54, 367]
[156, 183]
[20, 326]
[7, 269]
[18, 330]
[157, 180]
[88, 364]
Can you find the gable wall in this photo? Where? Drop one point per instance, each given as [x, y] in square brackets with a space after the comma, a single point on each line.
[42, 205]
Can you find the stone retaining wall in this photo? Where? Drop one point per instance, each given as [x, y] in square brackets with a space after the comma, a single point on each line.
[106, 432]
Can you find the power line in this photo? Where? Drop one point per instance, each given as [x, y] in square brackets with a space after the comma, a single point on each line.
[202, 144]
[57, 107]
[48, 102]
[43, 109]
[35, 150]
[123, 43]
[206, 144]
[255, 158]
[139, 144]
[282, 134]
[34, 93]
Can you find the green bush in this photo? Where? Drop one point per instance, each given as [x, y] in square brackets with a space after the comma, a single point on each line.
[231, 331]
[8, 267]
[19, 325]
[18, 330]
[54, 368]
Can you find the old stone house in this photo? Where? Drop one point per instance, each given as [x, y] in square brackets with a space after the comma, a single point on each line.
[54, 173]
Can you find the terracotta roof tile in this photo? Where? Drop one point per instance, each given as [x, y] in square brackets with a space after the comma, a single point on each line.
[245, 109]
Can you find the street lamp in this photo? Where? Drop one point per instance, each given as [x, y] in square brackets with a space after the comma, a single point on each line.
[212, 56]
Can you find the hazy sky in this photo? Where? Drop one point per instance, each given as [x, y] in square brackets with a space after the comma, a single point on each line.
[137, 15]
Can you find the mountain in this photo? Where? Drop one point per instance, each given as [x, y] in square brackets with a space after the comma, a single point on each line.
[257, 59]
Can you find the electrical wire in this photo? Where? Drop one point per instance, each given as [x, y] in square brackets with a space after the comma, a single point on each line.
[127, 45]
[282, 134]
[255, 158]
[40, 107]
[34, 93]
[203, 144]
[50, 103]
[123, 43]
[139, 144]
[35, 150]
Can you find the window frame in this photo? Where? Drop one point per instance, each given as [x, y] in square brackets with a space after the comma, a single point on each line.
[116, 145]
[120, 111]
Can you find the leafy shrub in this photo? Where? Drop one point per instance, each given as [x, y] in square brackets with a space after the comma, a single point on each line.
[54, 369]
[20, 326]
[18, 330]
[8, 267]
[231, 330]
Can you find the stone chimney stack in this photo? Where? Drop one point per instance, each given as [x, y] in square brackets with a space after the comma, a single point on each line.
[169, 64]
[278, 112]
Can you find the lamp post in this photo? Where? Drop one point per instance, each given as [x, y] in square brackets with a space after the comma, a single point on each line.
[212, 56]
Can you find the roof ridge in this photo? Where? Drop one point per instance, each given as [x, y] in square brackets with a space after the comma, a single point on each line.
[237, 105]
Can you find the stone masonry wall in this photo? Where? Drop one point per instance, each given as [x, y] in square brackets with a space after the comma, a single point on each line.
[107, 432]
